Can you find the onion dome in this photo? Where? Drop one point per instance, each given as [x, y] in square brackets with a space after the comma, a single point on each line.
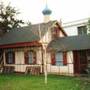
[46, 11]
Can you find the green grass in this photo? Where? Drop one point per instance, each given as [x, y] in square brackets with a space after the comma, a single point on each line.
[28, 82]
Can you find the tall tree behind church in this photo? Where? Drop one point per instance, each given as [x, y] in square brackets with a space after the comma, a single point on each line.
[8, 19]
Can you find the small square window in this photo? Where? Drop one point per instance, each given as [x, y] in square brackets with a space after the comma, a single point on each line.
[82, 30]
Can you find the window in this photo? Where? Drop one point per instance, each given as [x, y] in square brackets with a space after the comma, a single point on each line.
[30, 54]
[55, 32]
[82, 30]
[59, 58]
[10, 57]
[30, 57]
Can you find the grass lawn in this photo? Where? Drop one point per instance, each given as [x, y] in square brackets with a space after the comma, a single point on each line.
[55, 82]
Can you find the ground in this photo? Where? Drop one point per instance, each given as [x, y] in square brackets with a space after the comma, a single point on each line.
[28, 82]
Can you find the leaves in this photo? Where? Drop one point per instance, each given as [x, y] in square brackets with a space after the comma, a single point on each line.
[8, 19]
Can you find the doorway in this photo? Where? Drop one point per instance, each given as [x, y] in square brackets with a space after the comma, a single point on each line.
[80, 61]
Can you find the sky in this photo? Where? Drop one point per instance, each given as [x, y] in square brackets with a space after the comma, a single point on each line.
[64, 10]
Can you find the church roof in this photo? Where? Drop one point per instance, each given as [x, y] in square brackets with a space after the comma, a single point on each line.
[70, 43]
[26, 34]
[18, 36]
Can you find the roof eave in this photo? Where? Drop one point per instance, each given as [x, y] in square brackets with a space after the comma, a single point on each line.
[22, 44]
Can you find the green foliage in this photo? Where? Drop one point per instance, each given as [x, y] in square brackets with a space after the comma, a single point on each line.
[8, 18]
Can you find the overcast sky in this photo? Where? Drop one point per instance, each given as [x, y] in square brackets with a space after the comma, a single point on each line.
[66, 10]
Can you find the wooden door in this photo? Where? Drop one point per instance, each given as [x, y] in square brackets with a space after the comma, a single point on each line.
[80, 61]
[83, 61]
[76, 62]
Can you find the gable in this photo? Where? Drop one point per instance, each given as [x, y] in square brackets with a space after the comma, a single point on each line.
[42, 28]
[52, 32]
[57, 31]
